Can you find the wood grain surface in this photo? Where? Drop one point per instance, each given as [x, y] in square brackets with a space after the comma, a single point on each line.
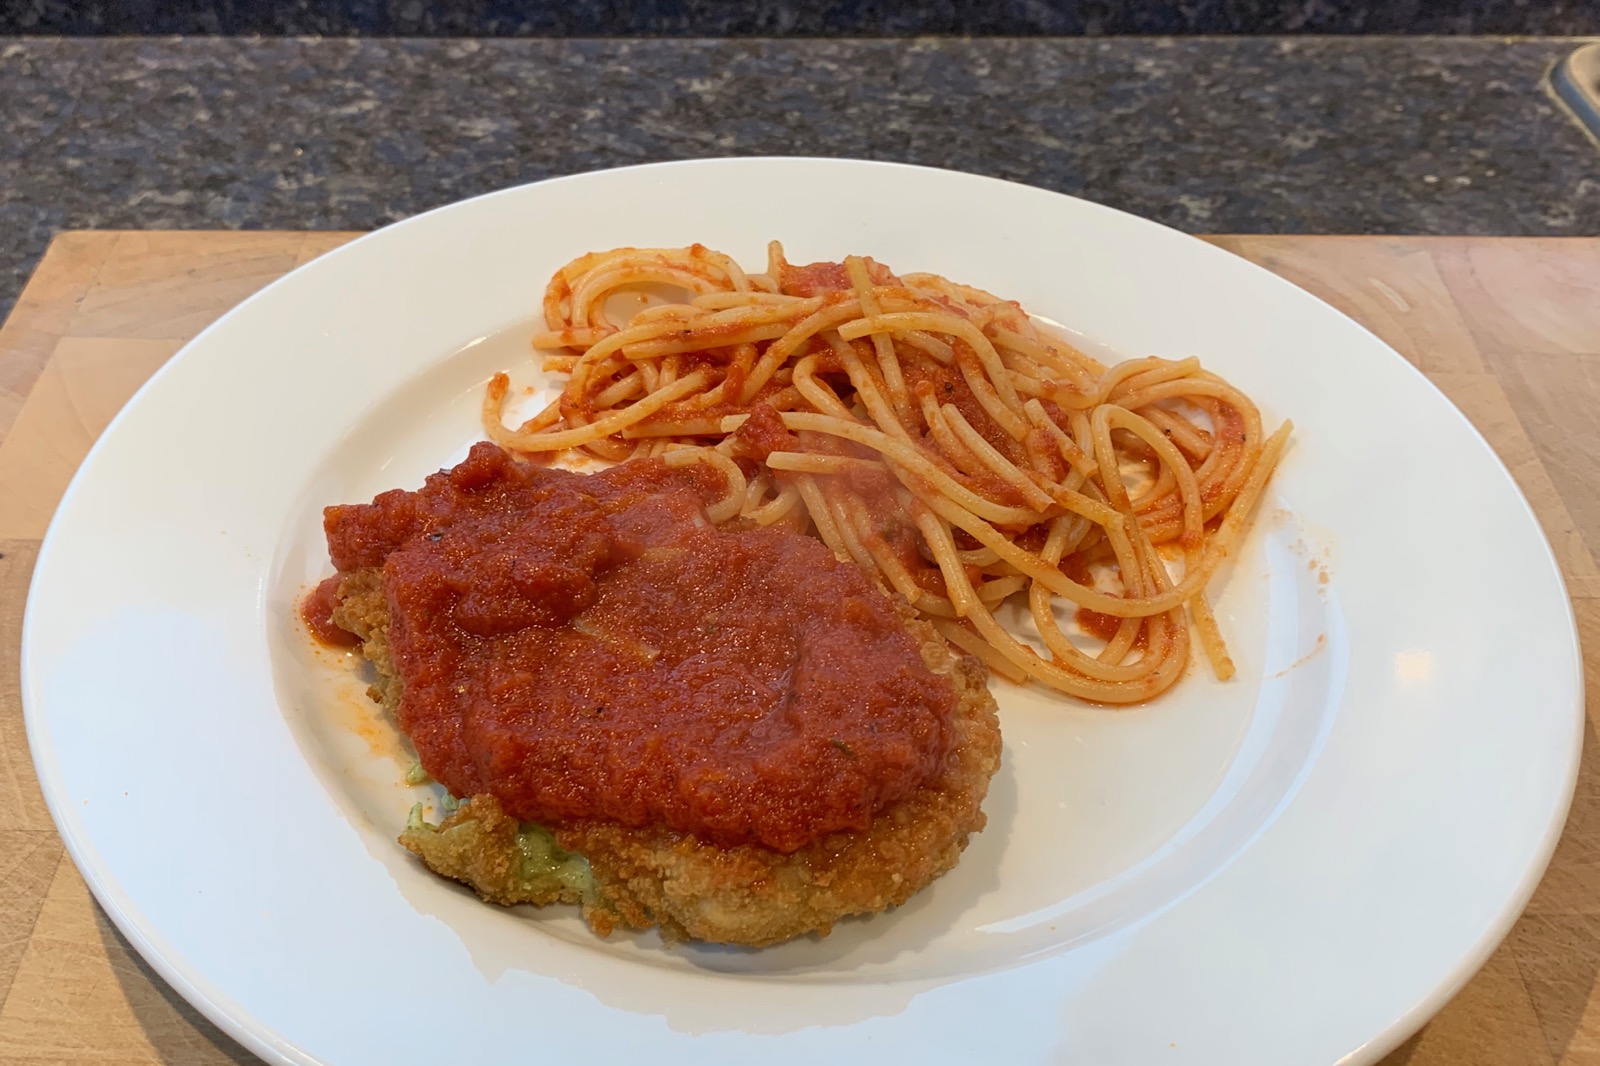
[1509, 329]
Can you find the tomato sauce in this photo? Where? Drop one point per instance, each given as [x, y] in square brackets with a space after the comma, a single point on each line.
[586, 647]
[764, 433]
[815, 279]
[1105, 626]
[317, 613]
[1098, 624]
[948, 385]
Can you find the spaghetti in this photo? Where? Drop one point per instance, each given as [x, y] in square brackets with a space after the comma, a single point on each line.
[932, 433]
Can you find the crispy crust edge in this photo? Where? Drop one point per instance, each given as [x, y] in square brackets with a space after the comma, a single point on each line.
[749, 895]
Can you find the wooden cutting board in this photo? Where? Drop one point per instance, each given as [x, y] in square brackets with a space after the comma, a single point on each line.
[1509, 329]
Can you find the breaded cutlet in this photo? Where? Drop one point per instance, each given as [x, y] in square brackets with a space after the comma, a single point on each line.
[748, 894]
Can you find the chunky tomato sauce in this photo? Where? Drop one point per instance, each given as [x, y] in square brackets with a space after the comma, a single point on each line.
[586, 647]
[816, 279]
[317, 612]
[1096, 624]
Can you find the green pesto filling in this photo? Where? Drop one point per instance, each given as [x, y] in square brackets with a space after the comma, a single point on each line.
[416, 821]
[543, 861]
[540, 868]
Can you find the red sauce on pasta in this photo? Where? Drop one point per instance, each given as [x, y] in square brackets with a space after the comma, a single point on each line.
[1098, 624]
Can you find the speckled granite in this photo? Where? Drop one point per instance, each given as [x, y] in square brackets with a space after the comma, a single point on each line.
[825, 18]
[1244, 135]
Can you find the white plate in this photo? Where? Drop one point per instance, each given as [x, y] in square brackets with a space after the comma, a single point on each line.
[1298, 866]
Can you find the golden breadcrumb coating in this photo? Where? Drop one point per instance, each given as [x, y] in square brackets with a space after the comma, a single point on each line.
[747, 895]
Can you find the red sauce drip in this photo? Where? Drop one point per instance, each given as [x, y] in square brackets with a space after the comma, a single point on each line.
[818, 278]
[764, 433]
[1076, 568]
[317, 612]
[1097, 624]
[1104, 626]
[585, 647]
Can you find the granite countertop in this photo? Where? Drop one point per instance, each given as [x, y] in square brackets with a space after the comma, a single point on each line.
[795, 18]
[1245, 135]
